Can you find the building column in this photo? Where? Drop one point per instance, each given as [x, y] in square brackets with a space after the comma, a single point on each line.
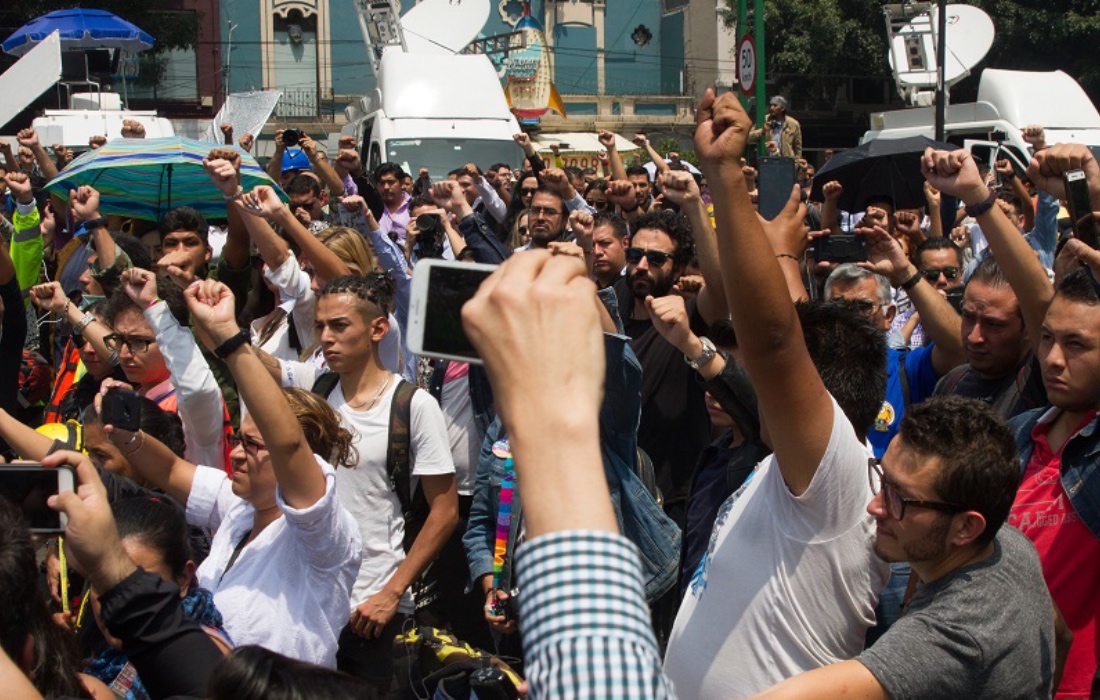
[598, 10]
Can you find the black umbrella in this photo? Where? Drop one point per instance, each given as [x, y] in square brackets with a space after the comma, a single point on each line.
[879, 168]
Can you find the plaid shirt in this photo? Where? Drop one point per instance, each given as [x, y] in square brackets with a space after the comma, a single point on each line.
[586, 628]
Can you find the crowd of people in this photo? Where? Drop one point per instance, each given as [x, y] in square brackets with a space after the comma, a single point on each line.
[697, 461]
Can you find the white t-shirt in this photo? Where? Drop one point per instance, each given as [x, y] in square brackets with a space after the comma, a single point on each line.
[289, 587]
[365, 489]
[458, 412]
[788, 584]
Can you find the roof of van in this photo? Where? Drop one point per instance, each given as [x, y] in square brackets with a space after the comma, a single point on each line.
[1052, 99]
[433, 86]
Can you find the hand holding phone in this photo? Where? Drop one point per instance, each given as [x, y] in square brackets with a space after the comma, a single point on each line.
[1080, 208]
[31, 486]
[122, 409]
[439, 290]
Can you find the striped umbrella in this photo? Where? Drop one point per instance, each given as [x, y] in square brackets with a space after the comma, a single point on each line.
[143, 178]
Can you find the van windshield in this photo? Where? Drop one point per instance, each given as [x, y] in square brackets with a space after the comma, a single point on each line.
[440, 156]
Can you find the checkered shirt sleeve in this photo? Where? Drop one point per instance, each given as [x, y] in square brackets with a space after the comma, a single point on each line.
[586, 628]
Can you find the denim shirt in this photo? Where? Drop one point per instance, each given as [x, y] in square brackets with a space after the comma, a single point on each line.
[640, 518]
[1080, 468]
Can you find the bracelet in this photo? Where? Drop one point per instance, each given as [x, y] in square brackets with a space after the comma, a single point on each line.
[83, 323]
[235, 195]
[100, 222]
[131, 440]
[65, 309]
[228, 347]
[787, 255]
[153, 303]
[976, 210]
[912, 281]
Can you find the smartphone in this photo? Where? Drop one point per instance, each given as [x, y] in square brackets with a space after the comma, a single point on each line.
[1080, 207]
[774, 180]
[955, 298]
[840, 248]
[439, 290]
[122, 409]
[28, 486]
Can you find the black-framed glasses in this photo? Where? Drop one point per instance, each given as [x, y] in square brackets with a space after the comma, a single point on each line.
[137, 344]
[251, 445]
[525, 191]
[895, 502]
[598, 204]
[295, 206]
[932, 274]
[656, 258]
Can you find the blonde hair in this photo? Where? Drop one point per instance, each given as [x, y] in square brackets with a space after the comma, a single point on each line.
[350, 246]
[322, 428]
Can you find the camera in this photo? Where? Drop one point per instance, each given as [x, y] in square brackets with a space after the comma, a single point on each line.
[429, 244]
[492, 684]
[955, 298]
[840, 248]
[508, 607]
[291, 137]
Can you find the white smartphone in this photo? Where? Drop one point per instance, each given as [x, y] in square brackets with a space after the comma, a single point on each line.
[439, 289]
[29, 486]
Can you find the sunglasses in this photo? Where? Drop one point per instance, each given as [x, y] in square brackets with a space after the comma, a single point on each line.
[932, 274]
[522, 230]
[598, 204]
[655, 257]
[895, 502]
[251, 445]
[524, 191]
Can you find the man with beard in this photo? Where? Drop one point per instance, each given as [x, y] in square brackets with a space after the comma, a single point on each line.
[675, 426]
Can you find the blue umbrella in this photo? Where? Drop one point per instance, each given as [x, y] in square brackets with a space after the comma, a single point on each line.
[80, 28]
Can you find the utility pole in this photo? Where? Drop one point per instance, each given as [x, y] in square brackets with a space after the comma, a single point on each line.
[941, 59]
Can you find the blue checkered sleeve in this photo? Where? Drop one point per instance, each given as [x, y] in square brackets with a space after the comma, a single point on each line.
[586, 628]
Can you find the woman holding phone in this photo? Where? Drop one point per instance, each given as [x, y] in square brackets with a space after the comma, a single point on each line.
[286, 554]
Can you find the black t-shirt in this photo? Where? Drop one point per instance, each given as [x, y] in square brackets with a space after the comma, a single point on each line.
[1021, 390]
[675, 425]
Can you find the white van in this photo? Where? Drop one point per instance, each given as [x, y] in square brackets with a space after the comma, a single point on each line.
[991, 128]
[434, 111]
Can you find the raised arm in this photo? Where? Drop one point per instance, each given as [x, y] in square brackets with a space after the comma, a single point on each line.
[321, 167]
[830, 210]
[607, 140]
[680, 187]
[1010, 181]
[301, 481]
[789, 238]
[51, 298]
[275, 164]
[27, 442]
[29, 139]
[941, 323]
[955, 173]
[793, 401]
[642, 141]
[223, 165]
[264, 202]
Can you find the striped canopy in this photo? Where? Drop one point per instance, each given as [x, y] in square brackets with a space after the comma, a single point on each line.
[143, 178]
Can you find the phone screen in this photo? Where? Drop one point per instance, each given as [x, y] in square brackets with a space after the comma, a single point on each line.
[1080, 207]
[774, 183]
[448, 289]
[28, 488]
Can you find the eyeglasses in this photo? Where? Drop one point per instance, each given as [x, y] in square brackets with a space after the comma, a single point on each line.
[136, 344]
[251, 445]
[656, 258]
[932, 274]
[895, 502]
[866, 306]
[525, 191]
[548, 212]
[522, 230]
[78, 340]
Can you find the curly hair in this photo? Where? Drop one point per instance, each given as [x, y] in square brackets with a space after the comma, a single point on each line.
[321, 425]
[376, 289]
[676, 226]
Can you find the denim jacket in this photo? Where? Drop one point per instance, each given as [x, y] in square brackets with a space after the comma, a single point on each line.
[1080, 464]
[641, 519]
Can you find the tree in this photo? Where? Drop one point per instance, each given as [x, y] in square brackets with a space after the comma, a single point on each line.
[809, 44]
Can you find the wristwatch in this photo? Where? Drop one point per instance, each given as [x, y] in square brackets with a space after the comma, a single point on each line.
[709, 351]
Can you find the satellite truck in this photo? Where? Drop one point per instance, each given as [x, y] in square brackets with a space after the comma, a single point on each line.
[434, 107]
[992, 127]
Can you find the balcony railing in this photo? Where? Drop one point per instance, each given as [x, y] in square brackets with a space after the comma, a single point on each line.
[306, 103]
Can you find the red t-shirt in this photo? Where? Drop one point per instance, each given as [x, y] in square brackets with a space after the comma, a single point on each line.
[1069, 552]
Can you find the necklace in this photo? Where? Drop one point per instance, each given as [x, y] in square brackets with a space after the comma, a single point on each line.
[369, 404]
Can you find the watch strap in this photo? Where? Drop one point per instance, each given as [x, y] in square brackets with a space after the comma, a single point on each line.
[976, 210]
[912, 281]
[227, 348]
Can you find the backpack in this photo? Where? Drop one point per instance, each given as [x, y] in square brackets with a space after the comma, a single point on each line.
[414, 506]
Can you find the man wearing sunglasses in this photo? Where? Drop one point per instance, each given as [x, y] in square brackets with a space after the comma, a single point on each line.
[941, 263]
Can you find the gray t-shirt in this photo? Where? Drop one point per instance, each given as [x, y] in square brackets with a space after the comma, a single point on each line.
[982, 631]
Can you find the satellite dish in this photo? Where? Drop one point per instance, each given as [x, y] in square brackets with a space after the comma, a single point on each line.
[913, 51]
[443, 26]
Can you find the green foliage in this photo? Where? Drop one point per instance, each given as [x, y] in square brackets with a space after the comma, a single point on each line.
[809, 40]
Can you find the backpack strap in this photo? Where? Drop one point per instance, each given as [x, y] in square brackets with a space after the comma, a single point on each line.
[325, 383]
[397, 451]
[903, 376]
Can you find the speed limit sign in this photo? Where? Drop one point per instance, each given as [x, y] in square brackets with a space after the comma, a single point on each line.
[746, 65]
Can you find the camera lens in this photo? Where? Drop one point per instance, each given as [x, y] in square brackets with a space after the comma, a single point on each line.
[428, 223]
[291, 137]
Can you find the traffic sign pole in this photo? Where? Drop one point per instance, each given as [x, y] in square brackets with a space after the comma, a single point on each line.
[761, 88]
[742, 32]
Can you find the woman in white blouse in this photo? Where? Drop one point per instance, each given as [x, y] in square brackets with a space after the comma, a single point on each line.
[285, 553]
